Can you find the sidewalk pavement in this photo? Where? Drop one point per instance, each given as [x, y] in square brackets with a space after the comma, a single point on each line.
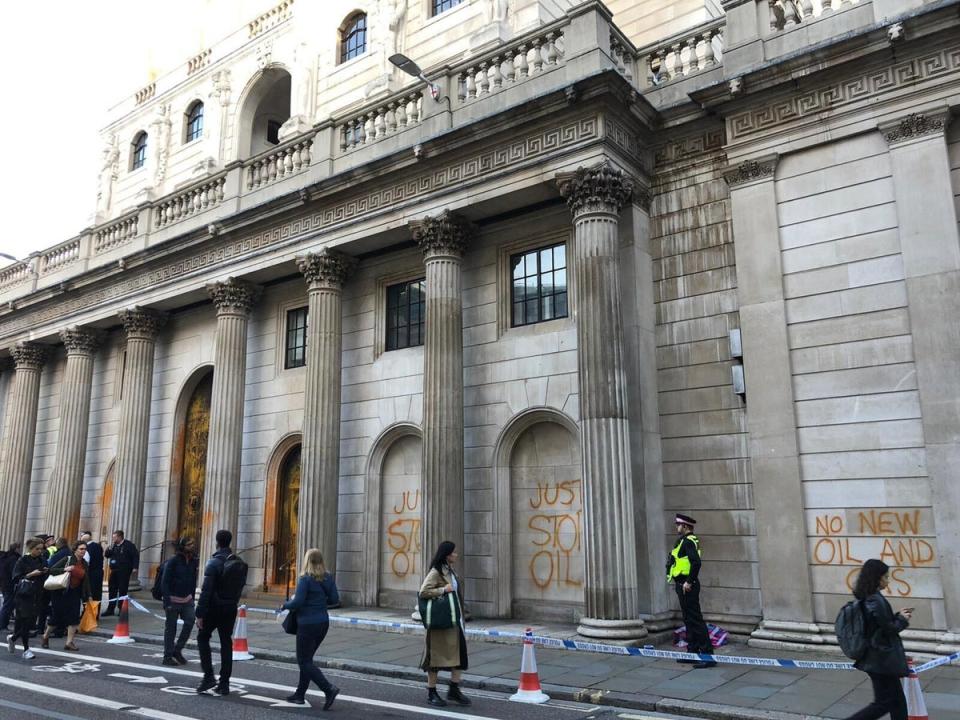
[726, 692]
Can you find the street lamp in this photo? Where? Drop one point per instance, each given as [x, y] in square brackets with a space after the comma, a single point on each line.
[411, 68]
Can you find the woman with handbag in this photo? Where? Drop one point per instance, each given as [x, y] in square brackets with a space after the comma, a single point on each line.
[445, 647]
[28, 576]
[309, 621]
[68, 603]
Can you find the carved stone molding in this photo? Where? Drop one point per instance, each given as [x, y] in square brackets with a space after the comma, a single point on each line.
[600, 188]
[445, 234]
[142, 323]
[233, 296]
[81, 340]
[29, 356]
[326, 269]
[913, 126]
[751, 170]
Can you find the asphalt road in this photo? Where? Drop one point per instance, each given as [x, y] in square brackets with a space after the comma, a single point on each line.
[118, 682]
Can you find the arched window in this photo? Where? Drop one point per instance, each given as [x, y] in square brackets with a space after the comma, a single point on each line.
[353, 37]
[194, 122]
[138, 154]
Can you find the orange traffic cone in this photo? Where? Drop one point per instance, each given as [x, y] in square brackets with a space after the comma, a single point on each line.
[916, 707]
[529, 690]
[121, 635]
[240, 649]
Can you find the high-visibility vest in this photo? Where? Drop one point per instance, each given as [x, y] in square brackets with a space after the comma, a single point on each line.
[681, 565]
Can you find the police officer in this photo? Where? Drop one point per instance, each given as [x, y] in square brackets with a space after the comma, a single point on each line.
[683, 569]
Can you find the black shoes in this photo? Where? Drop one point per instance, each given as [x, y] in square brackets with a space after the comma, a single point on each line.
[454, 695]
[330, 696]
[433, 698]
[223, 689]
[178, 656]
[169, 661]
[296, 699]
[704, 665]
[206, 684]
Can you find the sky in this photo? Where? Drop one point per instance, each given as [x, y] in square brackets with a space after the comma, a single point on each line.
[65, 63]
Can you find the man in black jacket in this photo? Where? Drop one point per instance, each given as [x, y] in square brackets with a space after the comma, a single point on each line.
[7, 560]
[683, 570]
[94, 565]
[178, 583]
[124, 561]
[217, 611]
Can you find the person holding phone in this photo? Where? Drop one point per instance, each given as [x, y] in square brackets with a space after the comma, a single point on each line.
[28, 576]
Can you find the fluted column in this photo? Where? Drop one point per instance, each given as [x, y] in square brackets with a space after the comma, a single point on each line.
[221, 496]
[20, 429]
[443, 239]
[126, 511]
[66, 484]
[595, 196]
[325, 272]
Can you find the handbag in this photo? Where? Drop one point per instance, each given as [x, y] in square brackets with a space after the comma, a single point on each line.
[88, 621]
[290, 623]
[440, 613]
[57, 582]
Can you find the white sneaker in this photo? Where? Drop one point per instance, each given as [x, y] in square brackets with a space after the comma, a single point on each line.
[11, 643]
[28, 655]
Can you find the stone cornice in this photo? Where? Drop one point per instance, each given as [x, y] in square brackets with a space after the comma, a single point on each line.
[29, 356]
[80, 340]
[444, 235]
[326, 269]
[142, 323]
[600, 188]
[750, 171]
[233, 297]
[915, 125]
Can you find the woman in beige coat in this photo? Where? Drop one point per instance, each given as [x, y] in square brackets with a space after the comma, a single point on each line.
[444, 649]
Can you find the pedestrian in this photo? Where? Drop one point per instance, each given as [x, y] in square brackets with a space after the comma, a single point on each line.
[178, 583]
[28, 576]
[444, 649]
[61, 550]
[7, 562]
[223, 579]
[316, 591]
[94, 567]
[124, 561]
[885, 660]
[49, 544]
[683, 570]
[68, 603]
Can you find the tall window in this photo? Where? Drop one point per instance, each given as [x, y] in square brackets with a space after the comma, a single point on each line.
[273, 131]
[296, 354]
[194, 122]
[138, 156]
[539, 290]
[353, 37]
[440, 5]
[405, 314]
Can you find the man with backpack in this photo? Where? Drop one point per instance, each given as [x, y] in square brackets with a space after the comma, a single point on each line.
[223, 581]
[177, 582]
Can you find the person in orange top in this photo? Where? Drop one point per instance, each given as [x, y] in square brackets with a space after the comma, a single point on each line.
[68, 604]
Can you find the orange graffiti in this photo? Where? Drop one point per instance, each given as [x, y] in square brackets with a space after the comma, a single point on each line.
[556, 534]
[403, 536]
[898, 586]
[887, 522]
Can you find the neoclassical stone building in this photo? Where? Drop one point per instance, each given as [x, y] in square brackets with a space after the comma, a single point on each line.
[632, 259]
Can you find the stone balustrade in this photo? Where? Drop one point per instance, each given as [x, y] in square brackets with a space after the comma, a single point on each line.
[386, 118]
[198, 61]
[271, 18]
[785, 14]
[492, 72]
[59, 256]
[279, 163]
[190, 201]
[116, 234]
[623, 54]
[145, 93]
[691, 52]
[15, 274]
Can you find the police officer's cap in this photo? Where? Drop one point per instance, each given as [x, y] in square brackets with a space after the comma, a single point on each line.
[685, 520]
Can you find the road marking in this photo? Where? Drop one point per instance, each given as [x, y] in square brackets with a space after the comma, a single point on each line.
[70, 667]
[274, 702]
[38, 711]
[140, 680]
[275, 686]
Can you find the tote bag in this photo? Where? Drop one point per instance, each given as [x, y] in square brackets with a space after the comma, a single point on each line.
[440, 613]
[88, 621]
[57, 582]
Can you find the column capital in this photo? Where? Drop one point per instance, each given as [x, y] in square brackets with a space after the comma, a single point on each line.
[915, 125]
[233, 296]
[80, 340]
[29, 356]
[750, 171]
[599, 188]
[142, 323]
[326, 269]
[446, 234]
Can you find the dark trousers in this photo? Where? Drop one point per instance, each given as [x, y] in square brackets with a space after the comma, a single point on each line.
[887, 698]
[6, 609]
[698, 638]
[172, 644]
[219, 619]
[309, 638]
[118, 585]
[22, 624]
[96, 589]
[43, 612]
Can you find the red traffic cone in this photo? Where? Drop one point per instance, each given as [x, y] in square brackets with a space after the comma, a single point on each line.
[121, 635]
[529, 690]
[916, 707]
[240, 649]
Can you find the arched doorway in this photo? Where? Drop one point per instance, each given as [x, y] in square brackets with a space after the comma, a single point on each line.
[264, 109]
[193, 480]
[106, 497]
[401, 513]
[287, 522]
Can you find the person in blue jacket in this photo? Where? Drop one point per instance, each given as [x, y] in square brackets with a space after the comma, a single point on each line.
[316, 590]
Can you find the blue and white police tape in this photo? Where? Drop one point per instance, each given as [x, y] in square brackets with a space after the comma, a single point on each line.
[137, 606]
[945, 660]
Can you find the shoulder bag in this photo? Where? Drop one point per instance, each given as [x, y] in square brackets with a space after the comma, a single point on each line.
[57, 582]
[440, 613]
[290, 623]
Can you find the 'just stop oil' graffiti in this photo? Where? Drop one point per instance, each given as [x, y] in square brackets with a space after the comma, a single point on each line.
[555, 523]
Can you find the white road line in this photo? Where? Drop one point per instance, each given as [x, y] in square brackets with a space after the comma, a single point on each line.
[65, 694]
[273, 686]
[38, 711]
[159, 714]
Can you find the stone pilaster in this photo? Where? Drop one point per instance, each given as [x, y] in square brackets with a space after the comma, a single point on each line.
[126, 510]
[325, 272]
[221, 496]
[66, 483]
[595, 196]
[930, 246]
[442, 239]
[20, 429]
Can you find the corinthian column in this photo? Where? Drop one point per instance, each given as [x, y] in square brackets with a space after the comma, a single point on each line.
[325, 272]
[126, 511]
[595, 196]
[443, 239]
[20, 429]
[221, 497]
[66, 483]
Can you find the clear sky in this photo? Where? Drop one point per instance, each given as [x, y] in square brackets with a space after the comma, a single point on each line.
[65, 62]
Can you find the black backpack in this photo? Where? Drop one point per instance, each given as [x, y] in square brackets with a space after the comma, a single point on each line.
[851, 629]
[157, 590]
[233, 577]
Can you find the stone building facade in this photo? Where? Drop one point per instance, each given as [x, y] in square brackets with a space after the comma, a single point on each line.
[636, 258]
